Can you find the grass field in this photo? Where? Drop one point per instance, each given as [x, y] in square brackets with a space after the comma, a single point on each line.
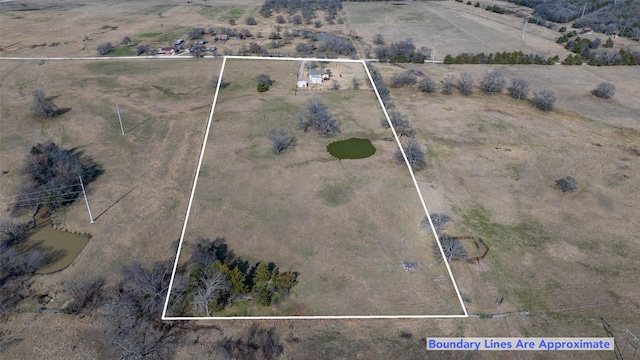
[453, 28]
[494, 165]
[565, 258]
[345, 226]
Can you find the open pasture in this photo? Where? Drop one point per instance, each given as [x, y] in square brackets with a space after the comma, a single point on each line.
[494, 165]
[345, 225]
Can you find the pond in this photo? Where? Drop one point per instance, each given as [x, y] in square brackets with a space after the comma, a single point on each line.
[60, 247]
[351, 149]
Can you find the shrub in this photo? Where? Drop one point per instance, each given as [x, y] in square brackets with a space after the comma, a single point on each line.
[465, 83]
[264, 82]
[567, 184]
[126, 40]
[604, 90]
[427, 85]
[280, 140]
[519, 88]
[355, 83]
[544, 100]
[415, 155]
[280, 19]
[493, 82]
[250, 21]
[608, 43]
[404, 78]
[378, 39]
[448, 84]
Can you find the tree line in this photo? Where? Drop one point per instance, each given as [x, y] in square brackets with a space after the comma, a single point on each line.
[604, 16]
[505, 57]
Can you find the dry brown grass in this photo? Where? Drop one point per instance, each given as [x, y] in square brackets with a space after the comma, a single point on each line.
[577, 274]
[345, 226]
[495, 162]
[454, 28]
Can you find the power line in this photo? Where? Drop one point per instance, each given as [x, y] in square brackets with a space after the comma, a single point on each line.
[36, 192]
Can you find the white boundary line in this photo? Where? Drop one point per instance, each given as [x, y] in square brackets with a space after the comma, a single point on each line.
[415, 183]
[193, 188]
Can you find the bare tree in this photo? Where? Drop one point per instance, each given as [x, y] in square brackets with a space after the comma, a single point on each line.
[415, 155]
[317, 116]
[52, 174]
[11, 230]
[493, 82]
[452, 247]
[465, 83]
[143, 49]
[41, 105]
[87, 294]
[544, 99]
[519, 88]
[604, 90]
[215, 79]
[196, 33]
[126, 40]
[104, 48]
[448, 84]
[213, 289]
[132, 315]
[335, 85]
[400, 123]
[280, 140]
[378, 39]
[427, 85]
[250, 21]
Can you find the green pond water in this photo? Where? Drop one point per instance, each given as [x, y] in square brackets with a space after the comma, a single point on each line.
[351, 149]
[61, 248]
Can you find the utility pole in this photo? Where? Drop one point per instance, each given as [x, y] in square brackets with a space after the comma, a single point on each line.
[584, 9]
[524, 27]
[120, 118]
[85, 199]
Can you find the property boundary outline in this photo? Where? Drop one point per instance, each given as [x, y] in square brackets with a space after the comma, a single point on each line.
[326, 317]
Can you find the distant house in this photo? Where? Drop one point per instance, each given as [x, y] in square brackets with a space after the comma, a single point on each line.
[201, 42]
[316, 76]
[166, 50]
[302, 84]
[222, 37]
[179, 42]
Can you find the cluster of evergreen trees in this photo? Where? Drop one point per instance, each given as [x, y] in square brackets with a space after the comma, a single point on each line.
[516, 57]
[216, 279]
